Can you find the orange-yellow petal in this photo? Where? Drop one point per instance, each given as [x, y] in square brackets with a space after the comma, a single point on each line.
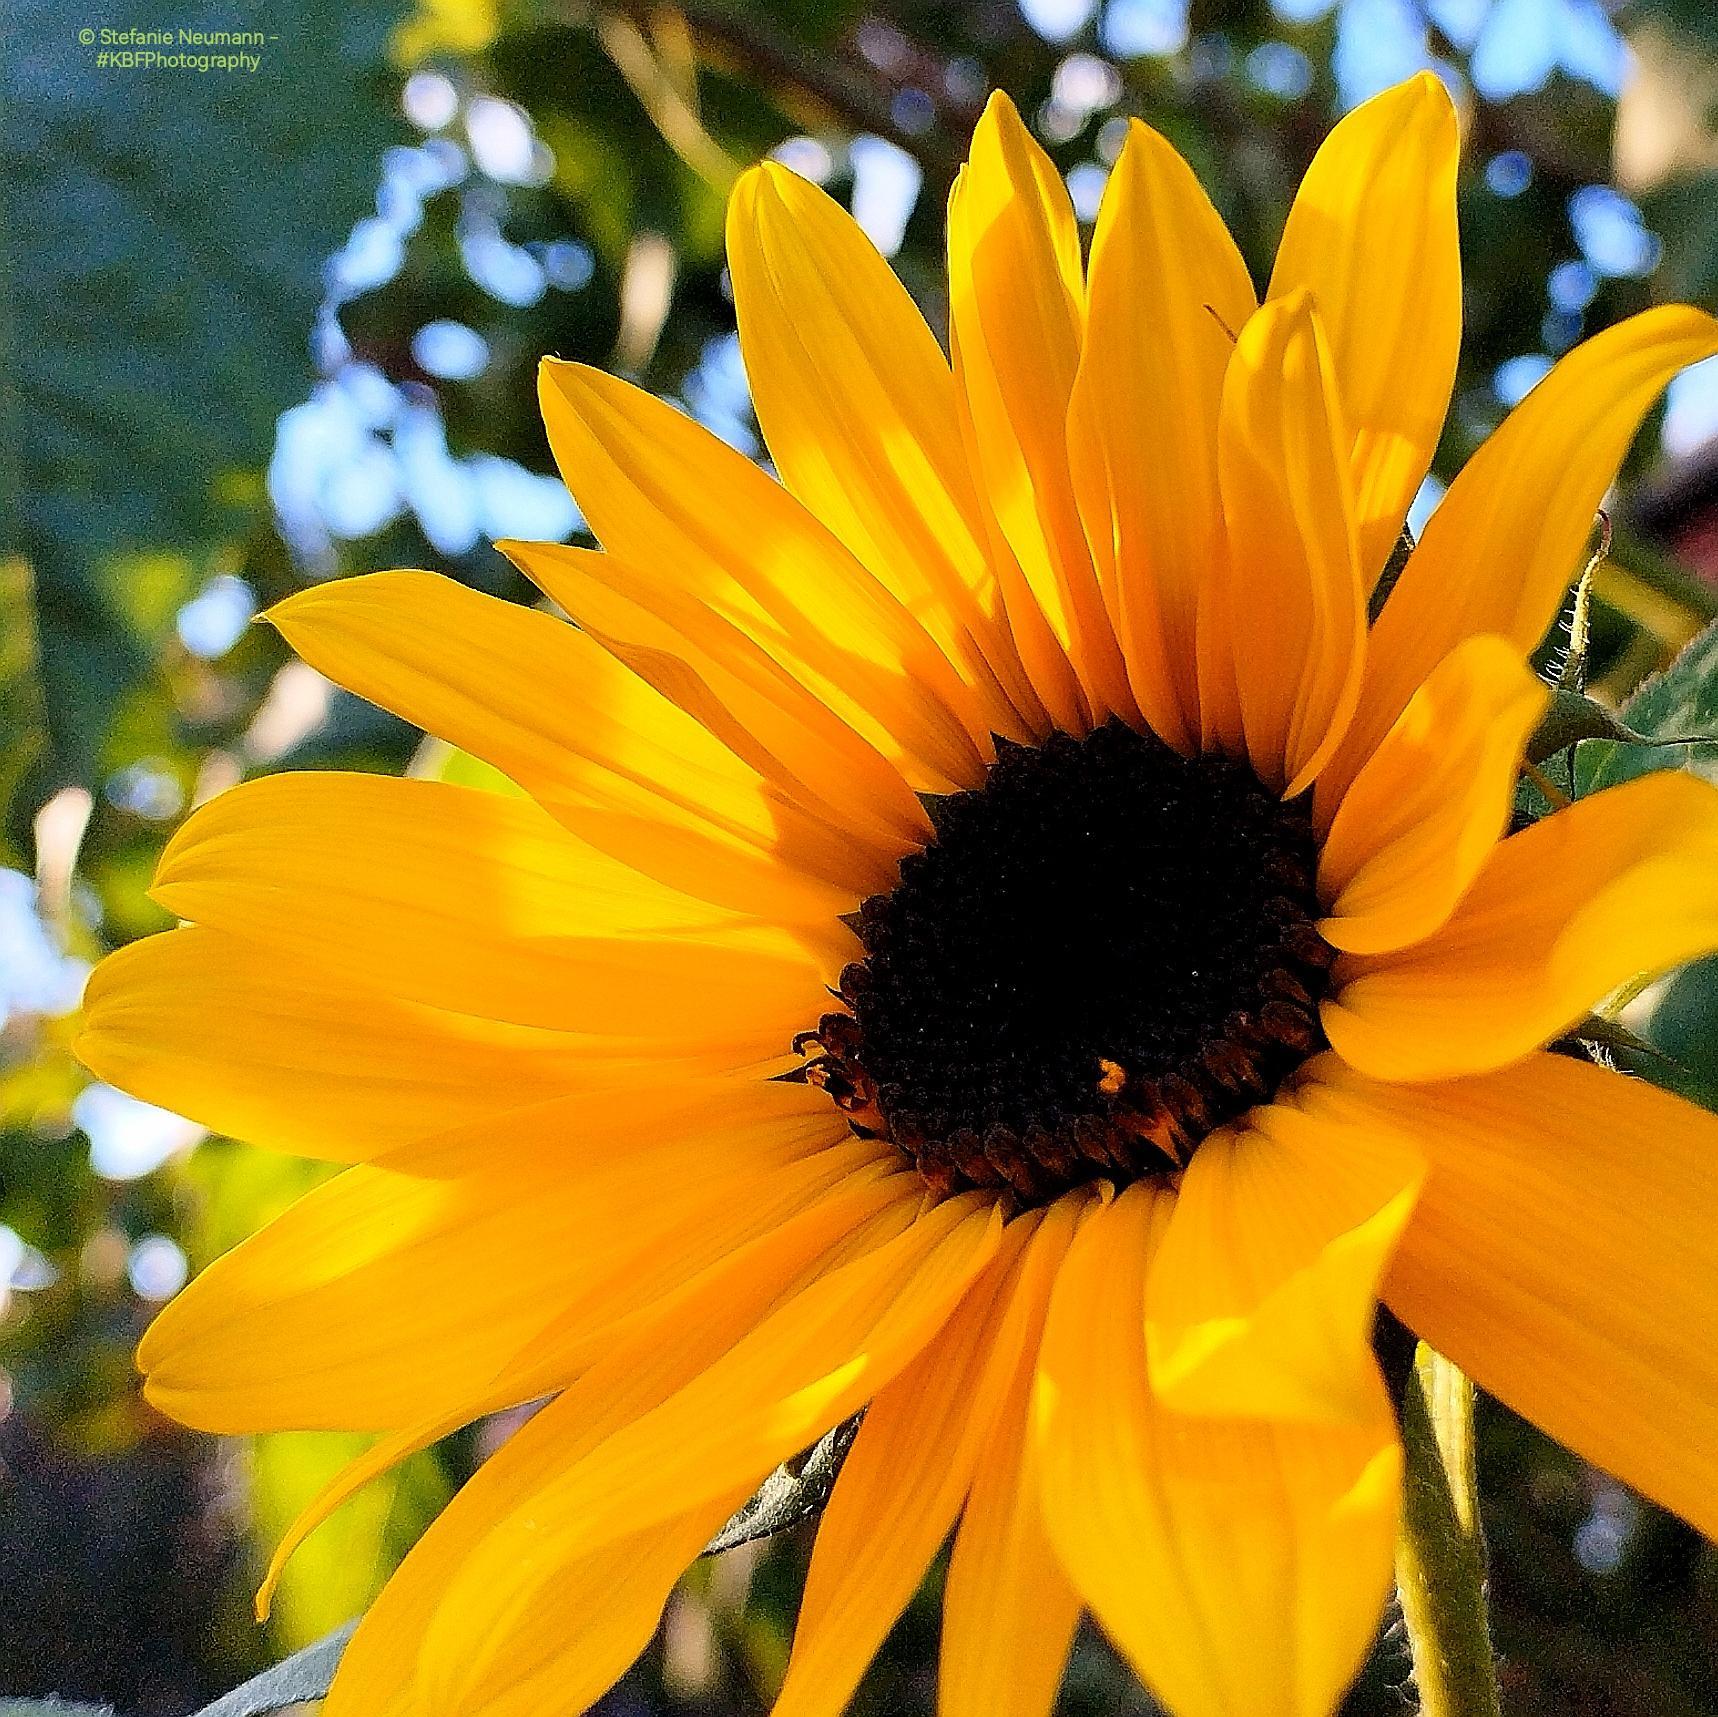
[411, 1280]
[1168, 294]
[900, 1489]
[729, 685]
[1561, 1253]
[660, 490]
[477, 903]
[1618, 885]
[857, 404]
[1261, 1301]
[603, 751]
[1241, 1566]
[275, 1051]
[1412, 832]
[1017, 309]
[1372, 236]
[1501, 549]
[1287, 597]
[1009, 1612]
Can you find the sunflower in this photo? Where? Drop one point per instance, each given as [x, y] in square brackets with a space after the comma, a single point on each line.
[988, 933]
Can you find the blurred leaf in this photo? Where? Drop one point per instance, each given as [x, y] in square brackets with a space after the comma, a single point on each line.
[297, 1680]
[342, 1565]
[50, 1708]
[177, 224]
[1677, 711]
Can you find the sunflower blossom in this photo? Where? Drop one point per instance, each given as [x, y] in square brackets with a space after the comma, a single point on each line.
[989, 934]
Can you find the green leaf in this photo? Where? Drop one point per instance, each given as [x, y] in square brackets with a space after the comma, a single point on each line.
[1572, 716]
[306, 1675]
[168, 230]
[1673, 719]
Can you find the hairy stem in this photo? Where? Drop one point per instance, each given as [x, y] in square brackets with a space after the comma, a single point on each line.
[1440, 1562]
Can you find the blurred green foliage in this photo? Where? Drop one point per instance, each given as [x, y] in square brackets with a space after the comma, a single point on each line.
[188, 257]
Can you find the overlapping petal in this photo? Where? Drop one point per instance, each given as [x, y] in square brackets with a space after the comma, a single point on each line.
[1561, 1253]
[1260, 1302]
[1284, 608]
[1499, 552]
[1168, 295]
[1414, 829]
[1372, 237]
[857, 404]
[1239, 1565]
[1017, 313]
[659, 489]
[252, 1043]
[607, 754]
[1618, 885]
[411, 1280]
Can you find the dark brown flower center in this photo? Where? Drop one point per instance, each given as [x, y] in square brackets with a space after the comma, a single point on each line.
[1107, 950]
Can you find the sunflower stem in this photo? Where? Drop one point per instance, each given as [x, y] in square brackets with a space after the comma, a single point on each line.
[1440, 1560]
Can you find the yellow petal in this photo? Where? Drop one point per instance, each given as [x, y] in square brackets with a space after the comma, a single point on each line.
[1288, 593]
[1009, 1612]
[261, 1047]
[900, 1489]
[806, 1367]
[1562, 1254]
[1412, 832]
[1240, 1566]
[722, 1267]
[1372, 236]
[472, 902]
[660, 490]
[1169, 292]
[857, 404]
[410, 1281]
[1500, 551]
[721, 678]
[1618, 885]
[607, 754]
[1261, 1301]
[1017, 306]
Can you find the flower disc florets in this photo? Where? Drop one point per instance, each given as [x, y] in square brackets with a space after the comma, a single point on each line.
[1107, 950]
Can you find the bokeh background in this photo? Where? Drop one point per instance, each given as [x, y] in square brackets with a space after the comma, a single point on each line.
[270, 328]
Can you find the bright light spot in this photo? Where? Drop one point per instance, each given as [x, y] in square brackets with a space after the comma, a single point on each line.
[1460, 20]
[1057, 20]
[1301, 11]
[372, 255]
[127, 1137]
[1132, 28]
[1509, 174]
[1515, 378]
[450, 350]
[1280, 69]
[296, 705]
[1378, 43]
[146, 789]
[806, 157]
[1086, 188]
[568, 264]
[1602, 1539]
[429, 100]
[22, 1267]
[886, 182]
[35, 977]
[1691, 415]
[1611, 232]
[213, 621]
[514, 502]
[1086, 83]
[503, 143]
[1571, 285]
[157, 1268]
[507, 272]
[1430, 492]
[1111, 140]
